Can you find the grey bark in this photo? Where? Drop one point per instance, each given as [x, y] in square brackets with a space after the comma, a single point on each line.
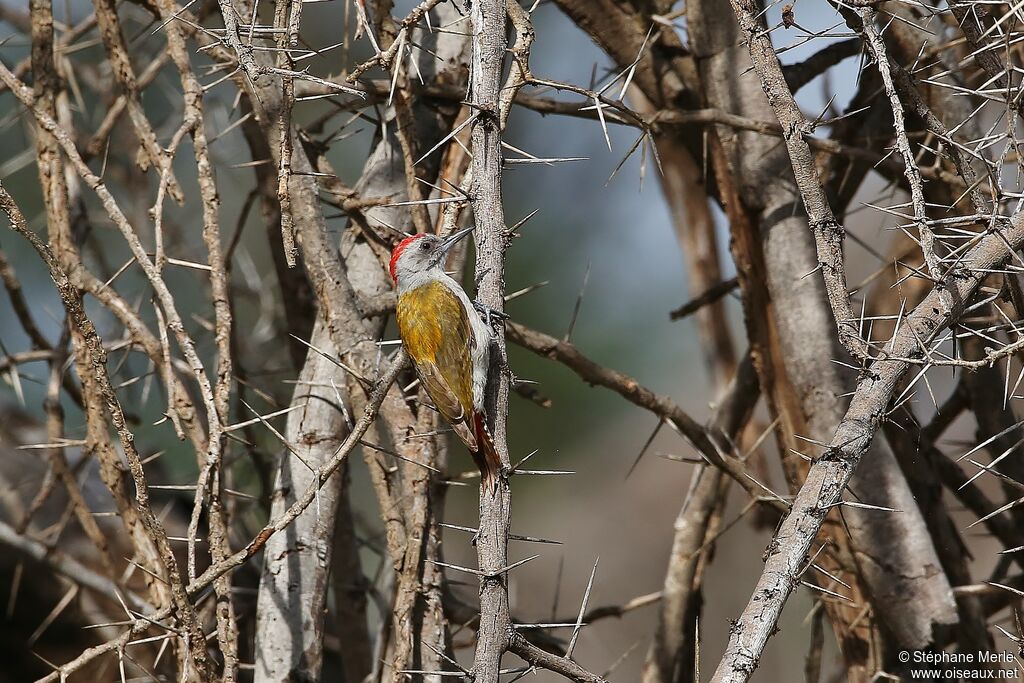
[293, 587]
[489, 43]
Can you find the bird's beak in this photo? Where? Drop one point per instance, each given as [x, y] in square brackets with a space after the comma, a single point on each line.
[454, 239]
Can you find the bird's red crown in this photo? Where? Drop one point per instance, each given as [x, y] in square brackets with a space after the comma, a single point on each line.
[397, 252]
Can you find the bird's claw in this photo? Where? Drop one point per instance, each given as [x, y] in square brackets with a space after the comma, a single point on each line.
[489, 314]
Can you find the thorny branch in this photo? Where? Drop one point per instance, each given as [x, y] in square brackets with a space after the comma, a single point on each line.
[488, 19]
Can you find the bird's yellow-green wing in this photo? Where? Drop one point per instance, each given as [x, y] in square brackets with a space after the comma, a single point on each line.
[436, 332]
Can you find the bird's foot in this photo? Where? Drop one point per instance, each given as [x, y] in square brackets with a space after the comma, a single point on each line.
[491, 316]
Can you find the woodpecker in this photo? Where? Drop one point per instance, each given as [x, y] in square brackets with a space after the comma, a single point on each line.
[448, 342]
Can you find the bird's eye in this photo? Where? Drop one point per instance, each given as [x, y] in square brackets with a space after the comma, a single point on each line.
[425, 246]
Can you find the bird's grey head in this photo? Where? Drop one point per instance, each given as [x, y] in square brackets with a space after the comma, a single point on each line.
[421, 253]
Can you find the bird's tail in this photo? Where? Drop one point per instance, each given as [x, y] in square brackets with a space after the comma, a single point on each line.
[485, 455]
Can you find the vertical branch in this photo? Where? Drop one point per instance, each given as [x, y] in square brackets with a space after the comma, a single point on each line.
[293, 589]
[876, 47]
[489, 43]
[287, 15]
